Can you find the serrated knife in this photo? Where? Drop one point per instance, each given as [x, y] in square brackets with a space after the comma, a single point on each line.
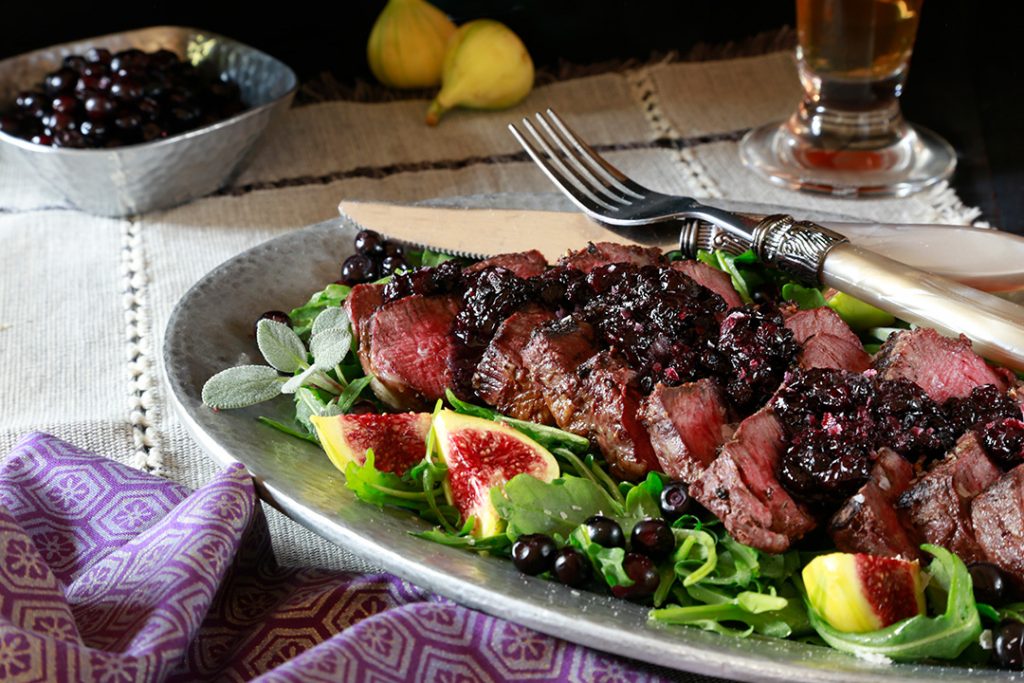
[989, 260]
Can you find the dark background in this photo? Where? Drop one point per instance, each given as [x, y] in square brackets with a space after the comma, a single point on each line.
[965, 81]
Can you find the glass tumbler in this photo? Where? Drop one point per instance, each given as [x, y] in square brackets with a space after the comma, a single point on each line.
[848, 137]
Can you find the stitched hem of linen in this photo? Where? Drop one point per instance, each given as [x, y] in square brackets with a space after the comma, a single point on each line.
[144, 398]
[326, 88]
[646, 94]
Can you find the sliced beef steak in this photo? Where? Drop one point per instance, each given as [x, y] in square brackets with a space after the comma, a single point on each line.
[607, 405]
[554, 352]
[938, 505]
[409, 347]
[716, 280]
[830, 351]
[741, 489]
[943, 367]
[814, 321]
[868, 522]
[827, 341]
[687, 424]
[360, 305]
[502, 378]
[524, 264]
[591, 394]
[998, 519]
[603, 253]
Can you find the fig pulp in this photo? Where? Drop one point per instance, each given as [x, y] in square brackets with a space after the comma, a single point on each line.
[482, 454]
[856, 593]
[398, 440]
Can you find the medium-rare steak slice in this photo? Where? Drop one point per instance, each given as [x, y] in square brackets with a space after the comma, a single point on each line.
[822, 320]
[938, 505]
[554, 352]
[943, 367]
[360, 304]
[998, 519]
[687, 424]
[716, 280]
[409, 347]
[827, 341]
[829, 351]
[524, 264]
[607, 405]
[604, 253]
[741, 489]
[868, 521]
[502, 378]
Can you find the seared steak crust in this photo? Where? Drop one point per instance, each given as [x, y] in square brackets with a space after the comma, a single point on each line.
[741, 489]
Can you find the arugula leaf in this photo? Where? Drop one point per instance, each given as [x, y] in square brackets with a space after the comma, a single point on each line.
[944, 636]
[641, 502]
[607, 562]
[548, 437]
[290, 431]
[463, 538]
[432, 259]
[384, 488]
[531, 506]
[804, 297]
[351, 393]
[777, 615]
[333, 295]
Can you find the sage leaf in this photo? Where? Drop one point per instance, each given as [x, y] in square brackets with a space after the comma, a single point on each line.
[330, 346]
[293, 383]
[242, 386]
[330, 318]
[280, 345]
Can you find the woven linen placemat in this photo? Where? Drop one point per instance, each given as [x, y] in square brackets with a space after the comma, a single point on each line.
[84, 301]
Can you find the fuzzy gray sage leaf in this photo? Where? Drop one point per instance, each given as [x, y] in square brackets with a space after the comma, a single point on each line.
[329, 318]
[242, 386]
[280, 345]
[293, 383]
[330, 346]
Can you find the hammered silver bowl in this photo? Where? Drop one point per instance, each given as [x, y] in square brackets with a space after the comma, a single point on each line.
[153, 175]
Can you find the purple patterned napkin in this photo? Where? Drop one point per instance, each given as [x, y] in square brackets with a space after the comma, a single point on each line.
[110, 574]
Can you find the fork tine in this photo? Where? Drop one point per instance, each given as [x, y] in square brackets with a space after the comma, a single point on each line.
[579, 169]
[598, 164]
[557, 173]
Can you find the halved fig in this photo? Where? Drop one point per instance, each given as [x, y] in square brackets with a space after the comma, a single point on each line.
[398, 440]
[856, 592]
[482, 454]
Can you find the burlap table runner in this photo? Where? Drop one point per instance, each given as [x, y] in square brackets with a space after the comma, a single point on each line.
[84, 300]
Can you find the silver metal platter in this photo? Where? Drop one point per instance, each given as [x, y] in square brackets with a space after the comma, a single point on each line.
[211, 329]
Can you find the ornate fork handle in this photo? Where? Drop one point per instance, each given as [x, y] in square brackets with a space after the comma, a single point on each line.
[795, 247]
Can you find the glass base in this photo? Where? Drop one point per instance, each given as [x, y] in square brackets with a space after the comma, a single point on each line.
[918, 160]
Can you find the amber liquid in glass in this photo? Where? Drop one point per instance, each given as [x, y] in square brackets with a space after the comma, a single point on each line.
[854, 53]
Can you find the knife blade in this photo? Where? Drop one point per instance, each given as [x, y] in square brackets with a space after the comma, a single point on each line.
[982, 258]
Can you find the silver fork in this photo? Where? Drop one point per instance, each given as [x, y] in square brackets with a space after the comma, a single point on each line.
[612, 198]
[804, 249]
